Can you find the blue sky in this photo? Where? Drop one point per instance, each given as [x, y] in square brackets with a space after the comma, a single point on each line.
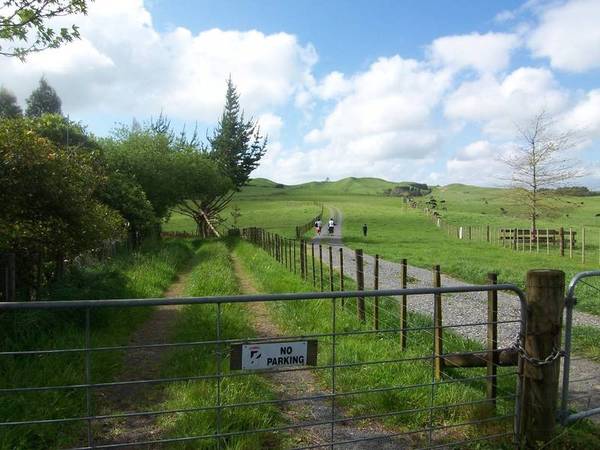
[427, 91]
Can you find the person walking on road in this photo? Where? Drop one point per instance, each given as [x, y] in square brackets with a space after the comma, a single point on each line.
[365, 230]
[318, 226]
[331, 225]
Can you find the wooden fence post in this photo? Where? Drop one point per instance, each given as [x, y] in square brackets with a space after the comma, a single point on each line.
[561, 238]
[330, 269]
[294, 256]
[403, 317]
[342, 272]
[360, 284]
[376, 287]
[302, 268]
[545, 298]
[305, 260]
[278, 247]
[321, 266]
[487, 233]
[312, 256]
[570, 242]
[437, 323]
[492, 341]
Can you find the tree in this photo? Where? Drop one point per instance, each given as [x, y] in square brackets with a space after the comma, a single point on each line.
[237, 144]
[48, 202]
[24, 28]
[169, 169]
[237, 147]
[540, 162]
[43, 100]
[8, 104]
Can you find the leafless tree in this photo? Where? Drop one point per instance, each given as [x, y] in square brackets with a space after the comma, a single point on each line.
[541, 161]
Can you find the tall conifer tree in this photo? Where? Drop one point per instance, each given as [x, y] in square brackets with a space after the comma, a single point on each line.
[43, 100]
[237, 146]
[236, 143]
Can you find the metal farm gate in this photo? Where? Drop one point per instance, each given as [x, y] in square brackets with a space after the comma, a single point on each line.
[579, 390]
[440, 390]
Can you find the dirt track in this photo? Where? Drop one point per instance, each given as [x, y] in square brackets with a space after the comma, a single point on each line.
[290, 385]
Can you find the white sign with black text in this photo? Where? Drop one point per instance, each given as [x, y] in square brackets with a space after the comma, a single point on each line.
[274, 355]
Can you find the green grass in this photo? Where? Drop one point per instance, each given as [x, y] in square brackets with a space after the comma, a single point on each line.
[397, 232]
[310, 317]
[146, 273]
[277, 217]
[586, 341]
[315, 317]
[472, 205]
[214, 276]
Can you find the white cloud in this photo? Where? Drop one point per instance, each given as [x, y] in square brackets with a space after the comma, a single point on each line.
[333, 85]
[475, 150]
[478, 163]
[500, 104]
[123, 65]
[380, 125]
[585, 115]
[488, 52]
[299, 165]
[270, 124]
[569, 35]
[393, 95]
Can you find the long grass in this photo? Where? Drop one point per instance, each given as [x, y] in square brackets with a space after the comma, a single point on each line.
[412, 377]
[144, 273]
[315, 317]
[214, 276]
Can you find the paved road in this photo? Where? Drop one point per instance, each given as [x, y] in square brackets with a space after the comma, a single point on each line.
[465, 308]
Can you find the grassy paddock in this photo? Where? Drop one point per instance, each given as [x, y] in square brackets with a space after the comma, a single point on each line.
[396, 231]
[315, 317]
[277, 217]
[214, 276]
[146, 273]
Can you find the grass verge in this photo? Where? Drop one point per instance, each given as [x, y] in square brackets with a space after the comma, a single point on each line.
[214, 276]
[315, 317]
[144, 273]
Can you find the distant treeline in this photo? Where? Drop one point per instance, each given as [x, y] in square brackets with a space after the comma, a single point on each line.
[574, 191]
[408, 190]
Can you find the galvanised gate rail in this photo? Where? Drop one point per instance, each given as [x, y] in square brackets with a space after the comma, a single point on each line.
[422, 413]
[586, 384]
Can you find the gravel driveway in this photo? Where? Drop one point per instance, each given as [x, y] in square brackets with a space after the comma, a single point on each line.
[464, 308]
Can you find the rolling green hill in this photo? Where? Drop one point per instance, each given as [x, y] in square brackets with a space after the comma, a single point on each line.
[345, 186]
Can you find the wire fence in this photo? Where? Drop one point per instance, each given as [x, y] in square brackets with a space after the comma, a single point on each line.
[582, 243]
[384, 385]
[302, 229]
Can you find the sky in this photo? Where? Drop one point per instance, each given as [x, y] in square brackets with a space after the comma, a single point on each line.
[429, 91]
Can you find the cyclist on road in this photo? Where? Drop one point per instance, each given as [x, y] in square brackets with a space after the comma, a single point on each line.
[331, 225]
